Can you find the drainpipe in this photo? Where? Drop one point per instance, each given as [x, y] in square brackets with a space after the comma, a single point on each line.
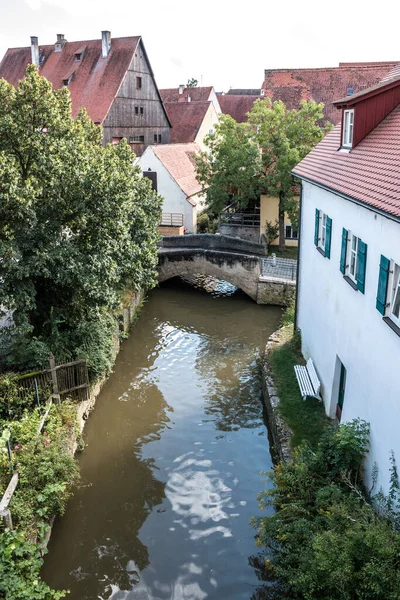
[296, 306]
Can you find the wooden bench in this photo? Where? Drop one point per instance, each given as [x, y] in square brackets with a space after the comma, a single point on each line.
[308, 381]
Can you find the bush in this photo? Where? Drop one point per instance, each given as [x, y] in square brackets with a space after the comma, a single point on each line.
[203, 222]
[325, 539]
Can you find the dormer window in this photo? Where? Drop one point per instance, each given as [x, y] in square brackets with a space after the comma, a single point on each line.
[78, 56]
[348, 126]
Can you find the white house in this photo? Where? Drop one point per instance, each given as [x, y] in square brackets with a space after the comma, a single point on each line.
[171, 167]
[348, 305]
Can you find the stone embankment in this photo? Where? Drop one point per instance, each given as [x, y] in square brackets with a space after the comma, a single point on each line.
[280, 432]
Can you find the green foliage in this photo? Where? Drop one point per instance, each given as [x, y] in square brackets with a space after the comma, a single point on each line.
[271, 231]
[230, 170]
[20, 563]
[288, 315]
[191, 83]
[285, 137]
[77, 223]
[203, 223]
[47, 472]
[325, 539]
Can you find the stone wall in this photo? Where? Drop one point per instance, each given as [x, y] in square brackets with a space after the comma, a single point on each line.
[126, 317]
[251, 234]
[275, 291]
[279, 431]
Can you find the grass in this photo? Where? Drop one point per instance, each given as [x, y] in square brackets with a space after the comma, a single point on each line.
[288, 252]
[306, 418]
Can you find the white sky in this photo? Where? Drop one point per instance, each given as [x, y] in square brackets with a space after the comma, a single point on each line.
[219, 42]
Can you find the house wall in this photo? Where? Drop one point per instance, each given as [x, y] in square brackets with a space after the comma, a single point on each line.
[122, 121]
[214, 99]
[338, 322]
[174, 198]
[269, 211]
[210, 120]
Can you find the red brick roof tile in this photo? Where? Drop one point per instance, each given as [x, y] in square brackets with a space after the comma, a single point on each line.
[370, 173]
[237, 106]
[324, 84]
[95, 81]
[186, 119]
[197, 94]
[178, 159]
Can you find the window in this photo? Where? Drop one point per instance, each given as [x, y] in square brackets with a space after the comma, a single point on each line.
[136, 110]
[116, 140]
[348, 125]
[67, 81]
[141, 110]
[290, 233]
[78, 56]
[353, 260]
[388, 296]
[157, 138]
[323, 233]
[138, 83]
[136, 139]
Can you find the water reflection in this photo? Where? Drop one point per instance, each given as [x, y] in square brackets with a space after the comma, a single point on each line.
[171, 471]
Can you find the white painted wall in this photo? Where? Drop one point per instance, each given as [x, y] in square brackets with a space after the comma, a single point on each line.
[337, 321]
[211, 119]
[174, 198]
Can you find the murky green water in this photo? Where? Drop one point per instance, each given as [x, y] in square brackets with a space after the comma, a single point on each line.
[174, 450]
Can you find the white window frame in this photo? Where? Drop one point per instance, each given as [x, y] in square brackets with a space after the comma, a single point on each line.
[348, 128]
[352, 252]
[393, 290]
[323, 218]
[291, 237]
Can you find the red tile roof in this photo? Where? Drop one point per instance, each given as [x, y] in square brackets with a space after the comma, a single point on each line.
[323, 85]
[95, 80]
[237, 106]
[178, 159]
[370, 173]
[197, 94]
[186, 119]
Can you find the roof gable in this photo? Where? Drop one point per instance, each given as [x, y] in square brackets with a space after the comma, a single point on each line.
[179, 161]
[95, 80]
[186, 119]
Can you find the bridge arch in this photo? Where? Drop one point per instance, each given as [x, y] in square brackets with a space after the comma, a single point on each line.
[241, 270]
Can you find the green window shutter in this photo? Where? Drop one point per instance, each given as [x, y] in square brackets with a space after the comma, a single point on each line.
[383, 284]
[344, 251]
[316, 231]
[328, 237]
[361, 265]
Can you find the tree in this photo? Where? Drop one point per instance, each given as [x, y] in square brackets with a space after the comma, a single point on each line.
[230, 170]
[285, 137]
[78, 224]
[191, 83]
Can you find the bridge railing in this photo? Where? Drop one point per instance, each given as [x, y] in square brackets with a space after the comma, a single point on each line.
[239, 219]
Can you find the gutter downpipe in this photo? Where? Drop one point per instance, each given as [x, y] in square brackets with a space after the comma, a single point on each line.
[300, 183]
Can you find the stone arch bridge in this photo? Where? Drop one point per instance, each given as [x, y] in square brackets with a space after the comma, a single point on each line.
[237, 261]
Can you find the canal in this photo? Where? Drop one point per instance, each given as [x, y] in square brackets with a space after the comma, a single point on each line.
[175, 446]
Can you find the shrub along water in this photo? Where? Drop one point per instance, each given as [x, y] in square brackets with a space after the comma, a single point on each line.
[47, 472]
[328, 538]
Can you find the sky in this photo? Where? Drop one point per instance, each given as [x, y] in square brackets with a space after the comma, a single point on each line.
[218, 42]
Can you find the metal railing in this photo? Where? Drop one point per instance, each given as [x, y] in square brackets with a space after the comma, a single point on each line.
[239, 219]
[171, 220]
[278, 268]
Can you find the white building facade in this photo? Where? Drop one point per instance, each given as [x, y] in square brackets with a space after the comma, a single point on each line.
[341, 325]
[174, 178]
[348, 298]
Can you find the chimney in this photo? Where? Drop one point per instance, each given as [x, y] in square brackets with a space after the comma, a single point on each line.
[60, 43]
[105, 43]
[188, 98]
[181, 89]
[35, 50]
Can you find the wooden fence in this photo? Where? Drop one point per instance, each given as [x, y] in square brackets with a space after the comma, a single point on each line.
[62, 380]
[171, 220]
[239, 219]
[58, 382]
